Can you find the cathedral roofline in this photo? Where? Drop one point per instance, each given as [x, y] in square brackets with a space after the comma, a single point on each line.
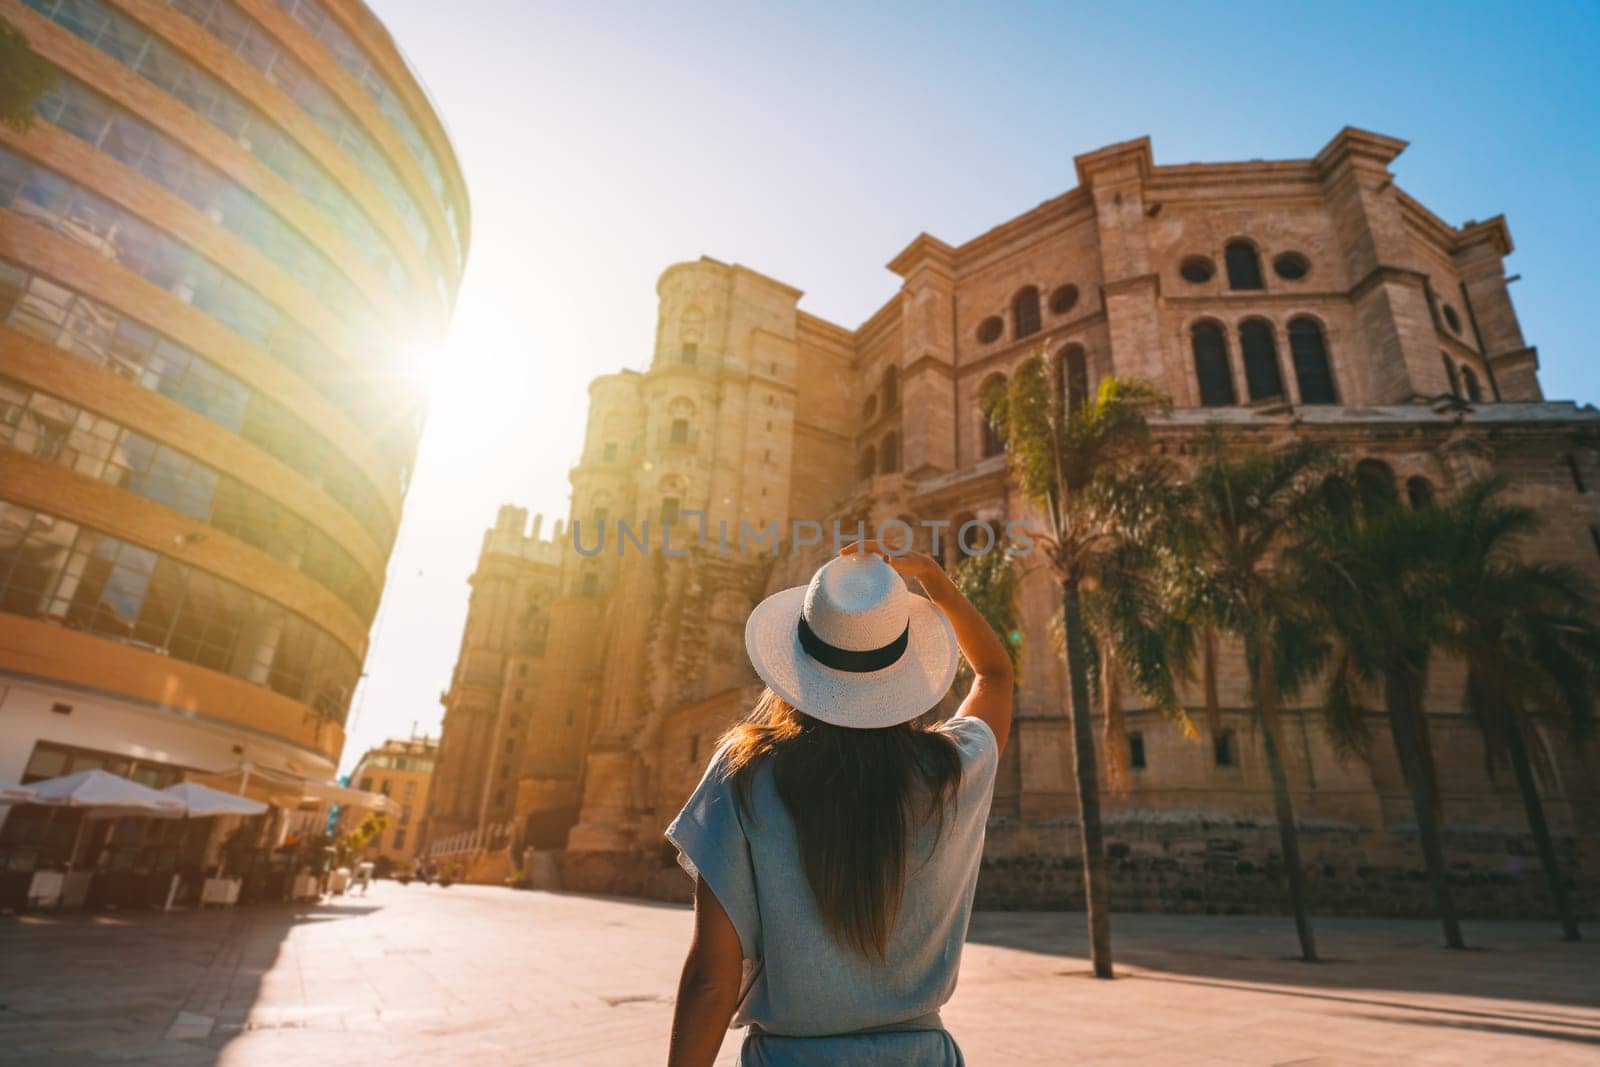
[1354, 143]
[840, 334]
[924, 248]
[1337, 416]
[1136, 157]
[1135, 152]
[730, 268]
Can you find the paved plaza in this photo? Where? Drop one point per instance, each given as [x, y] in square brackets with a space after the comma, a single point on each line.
[474, 975]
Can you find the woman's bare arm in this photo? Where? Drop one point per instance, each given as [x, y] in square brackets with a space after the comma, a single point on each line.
[708, 991]
[990, 698]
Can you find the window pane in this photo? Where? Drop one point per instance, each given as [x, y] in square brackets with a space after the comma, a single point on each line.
[1211, 365]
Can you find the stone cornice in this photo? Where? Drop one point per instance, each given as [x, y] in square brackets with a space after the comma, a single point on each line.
[1134, 281]
[1135, 152]
[928, 362]
[1383, 273]
[1351, 144]
[1517, 357]
[1494, 230]
[925, 252]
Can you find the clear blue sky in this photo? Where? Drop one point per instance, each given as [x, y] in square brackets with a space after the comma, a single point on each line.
[604, 141]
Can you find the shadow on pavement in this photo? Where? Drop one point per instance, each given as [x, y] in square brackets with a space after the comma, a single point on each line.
[170, 987]
[1514, 961]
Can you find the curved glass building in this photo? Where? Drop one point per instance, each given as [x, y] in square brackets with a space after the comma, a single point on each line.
[228, 226]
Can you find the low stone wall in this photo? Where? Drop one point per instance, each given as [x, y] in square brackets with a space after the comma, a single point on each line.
[652, 875]
[1162, 864]
[1233, 868]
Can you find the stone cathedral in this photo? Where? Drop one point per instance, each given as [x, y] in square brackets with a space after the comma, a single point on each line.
[1282, 300]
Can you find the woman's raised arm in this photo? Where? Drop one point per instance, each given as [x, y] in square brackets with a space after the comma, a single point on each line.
[990, 698]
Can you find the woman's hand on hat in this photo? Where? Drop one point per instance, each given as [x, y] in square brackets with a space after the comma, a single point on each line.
[908, 564]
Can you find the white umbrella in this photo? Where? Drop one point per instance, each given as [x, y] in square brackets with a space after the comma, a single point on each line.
[106, 796]
[103, 796]
[201, 801]
[12, 793]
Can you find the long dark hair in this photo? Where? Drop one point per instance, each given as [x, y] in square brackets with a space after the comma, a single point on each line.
[854, 799]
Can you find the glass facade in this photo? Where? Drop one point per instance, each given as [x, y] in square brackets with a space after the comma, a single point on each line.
[47, 199]
[227, 111]
[74, 576]
[278, 175]
[316, 21]
[97, 333]
[96, 121]
[244, 37]
[56, 431]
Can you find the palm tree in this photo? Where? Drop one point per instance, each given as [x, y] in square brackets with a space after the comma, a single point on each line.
[1371, 569]
[990, 582]
[1060, 449]
[1242, 511]
[1529, 636]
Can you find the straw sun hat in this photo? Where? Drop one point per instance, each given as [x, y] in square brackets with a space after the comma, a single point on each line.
[854, 648]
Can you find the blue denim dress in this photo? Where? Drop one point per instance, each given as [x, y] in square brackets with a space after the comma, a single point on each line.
[806, 998]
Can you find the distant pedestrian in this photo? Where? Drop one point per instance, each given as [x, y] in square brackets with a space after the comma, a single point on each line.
[835, 841]
[363, 877]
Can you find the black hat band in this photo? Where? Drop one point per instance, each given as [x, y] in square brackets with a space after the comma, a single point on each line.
[844, 659]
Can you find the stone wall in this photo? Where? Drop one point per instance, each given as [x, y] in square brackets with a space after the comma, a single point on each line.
[651, 874]
[1203, 867]
[1209, 867]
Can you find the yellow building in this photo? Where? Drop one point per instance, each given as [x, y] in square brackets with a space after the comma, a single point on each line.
[228, 224]
[400, 770]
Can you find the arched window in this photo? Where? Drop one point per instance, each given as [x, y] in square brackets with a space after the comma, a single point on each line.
[1474, 390]
[1450, 373]
[993, 444]
[1310, 353]
[1376, 484]
[889, 454]
[869, 407]
[1261, 376]
[1074, 371]
[1025, 312]
[1243, 265]
[891, 388]
[1420, 492]
[869, 462]
[1211, 365]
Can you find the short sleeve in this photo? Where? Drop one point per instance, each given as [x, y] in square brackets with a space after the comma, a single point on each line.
[710, 838]
[980, 752]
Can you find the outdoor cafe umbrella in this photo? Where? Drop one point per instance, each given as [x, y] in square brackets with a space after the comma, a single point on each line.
[106, 796]
[201, 801]
[103, 796]
[12, 793]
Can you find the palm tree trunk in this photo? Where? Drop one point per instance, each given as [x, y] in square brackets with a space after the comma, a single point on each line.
[1541, 831]
[1097, 900]
[1288, 837]
[1398, 696]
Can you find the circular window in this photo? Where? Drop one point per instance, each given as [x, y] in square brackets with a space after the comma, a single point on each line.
[1292, 266]
[990, 329]
[1452, 319]
[1197, 269]
[1063, 299]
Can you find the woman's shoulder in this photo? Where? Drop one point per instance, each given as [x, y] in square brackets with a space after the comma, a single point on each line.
[974, 740]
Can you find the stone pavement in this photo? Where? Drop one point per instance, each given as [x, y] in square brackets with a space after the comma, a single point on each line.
[474, 975]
